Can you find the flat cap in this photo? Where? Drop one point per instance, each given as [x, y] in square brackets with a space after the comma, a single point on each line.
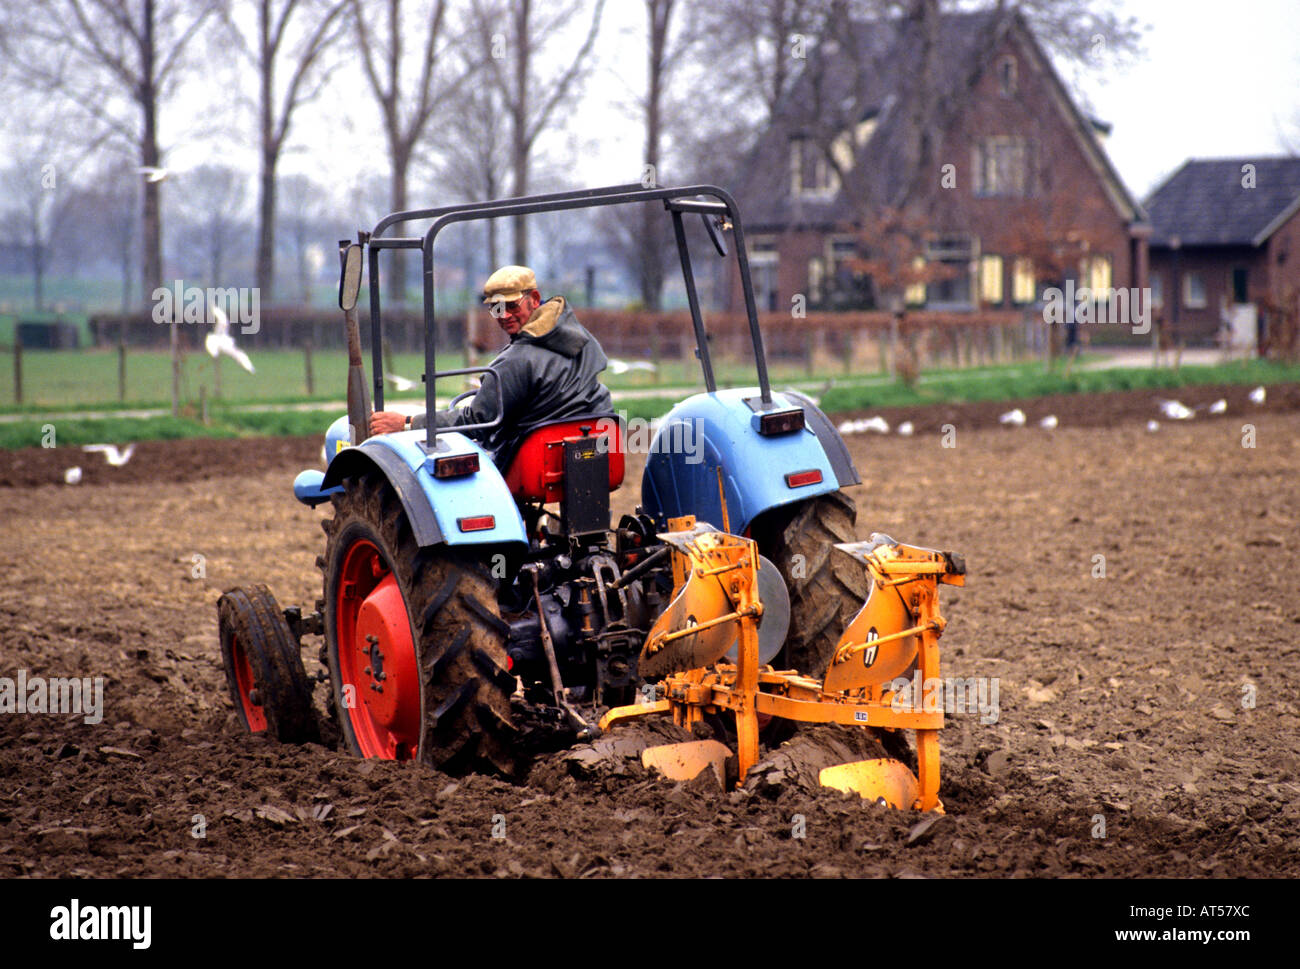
[508, 284]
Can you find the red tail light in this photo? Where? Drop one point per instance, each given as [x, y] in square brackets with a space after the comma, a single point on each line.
[797, 479]
[480, 523]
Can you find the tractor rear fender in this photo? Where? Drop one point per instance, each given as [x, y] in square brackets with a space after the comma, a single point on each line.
[436, 507]
[706, 432]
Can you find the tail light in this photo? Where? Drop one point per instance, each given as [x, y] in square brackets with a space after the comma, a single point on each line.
[455, 465]
[781, 422]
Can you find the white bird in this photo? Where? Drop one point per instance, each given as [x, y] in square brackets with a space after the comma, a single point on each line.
[877, 424]
[1219, 406]
[906, 428]
[72, 476]
[1015, 417]
[400, 384]
[848, 427]
[114, 457]
[1174, 410]
[623, 366]
[152, 173]
[220, 341]
[1049, 422]
[1257, 395]
[1153, 425]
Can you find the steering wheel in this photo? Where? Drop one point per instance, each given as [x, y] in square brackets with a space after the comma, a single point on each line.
[459, 397]
[715, 233]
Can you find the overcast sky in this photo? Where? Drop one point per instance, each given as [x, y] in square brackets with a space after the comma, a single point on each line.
[1219, 78]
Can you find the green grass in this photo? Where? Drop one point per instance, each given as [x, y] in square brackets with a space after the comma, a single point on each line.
[1031, 381]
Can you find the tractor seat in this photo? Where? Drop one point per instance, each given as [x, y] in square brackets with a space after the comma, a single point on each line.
[536, 472]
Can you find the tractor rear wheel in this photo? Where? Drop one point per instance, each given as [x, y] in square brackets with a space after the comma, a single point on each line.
[827, 588]
[264, 666]
[414, 641]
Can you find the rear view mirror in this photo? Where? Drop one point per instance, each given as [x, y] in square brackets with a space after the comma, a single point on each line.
[350, 275]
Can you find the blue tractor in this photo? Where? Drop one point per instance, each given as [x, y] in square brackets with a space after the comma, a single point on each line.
[474, 613]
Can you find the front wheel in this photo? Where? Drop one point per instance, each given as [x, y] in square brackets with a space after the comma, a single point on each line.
[414, 641]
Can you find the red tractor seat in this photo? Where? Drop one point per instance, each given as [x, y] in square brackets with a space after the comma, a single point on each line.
[536, 473]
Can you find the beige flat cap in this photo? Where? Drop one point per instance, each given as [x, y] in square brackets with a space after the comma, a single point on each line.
[508, 284]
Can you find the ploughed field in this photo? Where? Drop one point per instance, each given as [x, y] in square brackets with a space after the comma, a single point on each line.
[1147, 721]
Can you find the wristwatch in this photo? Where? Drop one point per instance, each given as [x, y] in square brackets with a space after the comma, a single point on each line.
[408, 422]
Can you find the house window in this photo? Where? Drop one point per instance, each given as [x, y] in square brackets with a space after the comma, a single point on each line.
[1007, 76]
[1096, 275]
[1194, 291]
[914, 295]
[763, 263]
[991, 279]
[811, 172]
[1003, 166]
[816, 277]
[954, 255]
[847, 286]
[1157, 289]
[1023, 285]
[1237, 282]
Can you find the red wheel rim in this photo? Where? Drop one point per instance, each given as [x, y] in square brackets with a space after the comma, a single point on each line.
[377, 667]
[254, 715]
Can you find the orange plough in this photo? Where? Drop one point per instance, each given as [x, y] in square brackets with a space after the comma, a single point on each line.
[716, 603]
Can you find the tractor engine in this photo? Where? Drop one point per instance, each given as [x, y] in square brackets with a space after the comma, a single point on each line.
[594, 595]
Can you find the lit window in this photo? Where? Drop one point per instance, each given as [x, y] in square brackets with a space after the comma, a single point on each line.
[955, 257]
[991, 279]
[1097, 276]
[811, 172]
[1194, 291]
[1023, 285]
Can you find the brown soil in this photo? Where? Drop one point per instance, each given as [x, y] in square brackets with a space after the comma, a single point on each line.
[1120, 697]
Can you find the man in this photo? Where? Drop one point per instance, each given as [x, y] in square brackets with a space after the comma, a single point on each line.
[549, 370]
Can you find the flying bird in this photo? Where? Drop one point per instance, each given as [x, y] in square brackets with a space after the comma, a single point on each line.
[152, 173]
[1016, 418]
[220, 341]
[114, 457]
[400, 384]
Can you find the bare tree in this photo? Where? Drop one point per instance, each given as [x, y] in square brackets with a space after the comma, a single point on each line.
[37, 199]
[531, 94]
[291, 39]
[406, 114]
[213, 205]
[301, 214]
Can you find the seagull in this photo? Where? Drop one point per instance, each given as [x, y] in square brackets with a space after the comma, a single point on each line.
[905, 429]
[1174, 410]
[1153, 426]
[1015, 417]
[400, 384]
[114, 457]
[617, 366]
[877, 424]
[1049, 422]
[1219, 406]
[72, 476]
[1257, 395]
[220, 341]
[152, 173]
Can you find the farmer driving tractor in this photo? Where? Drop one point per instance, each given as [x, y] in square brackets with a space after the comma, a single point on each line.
[548, 371]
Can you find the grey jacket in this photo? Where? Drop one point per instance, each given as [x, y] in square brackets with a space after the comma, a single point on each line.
[549, 371]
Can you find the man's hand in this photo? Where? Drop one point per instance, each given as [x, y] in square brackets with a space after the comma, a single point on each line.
[386, 422]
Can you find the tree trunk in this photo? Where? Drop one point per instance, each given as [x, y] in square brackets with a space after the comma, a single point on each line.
[401, 155]
[520, 148]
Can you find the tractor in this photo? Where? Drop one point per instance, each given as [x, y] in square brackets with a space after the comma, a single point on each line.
[478, 611]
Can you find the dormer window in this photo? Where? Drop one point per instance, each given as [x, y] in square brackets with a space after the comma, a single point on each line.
[811, 172]
[1007, 76]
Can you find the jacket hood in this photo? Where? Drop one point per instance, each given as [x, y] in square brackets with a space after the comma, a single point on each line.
[554, 327]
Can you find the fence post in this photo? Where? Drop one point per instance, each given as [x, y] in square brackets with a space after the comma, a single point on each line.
[18, 365]
[306, 360]
[121, 362]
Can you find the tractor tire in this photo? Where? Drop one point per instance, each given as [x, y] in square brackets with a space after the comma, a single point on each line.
[414, 641]
[264, 666]
[827, 588]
